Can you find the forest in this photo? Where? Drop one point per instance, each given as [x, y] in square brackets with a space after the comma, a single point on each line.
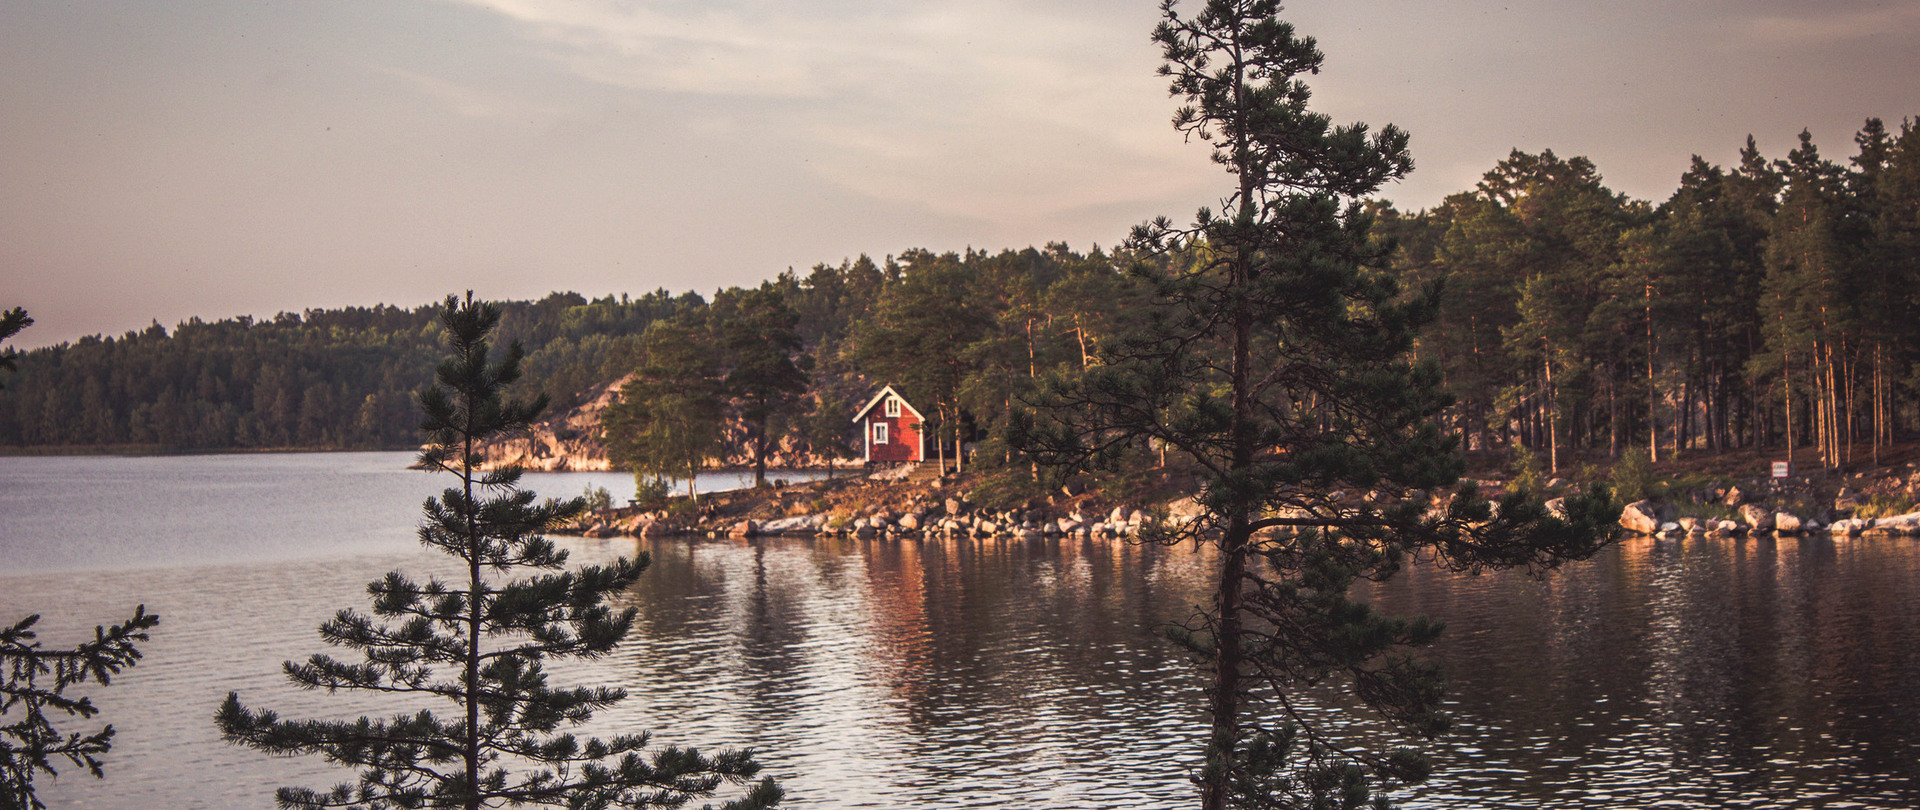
[1765, 304]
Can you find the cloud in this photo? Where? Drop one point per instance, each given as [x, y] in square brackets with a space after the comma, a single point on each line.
[1826, 25]
[996, 111]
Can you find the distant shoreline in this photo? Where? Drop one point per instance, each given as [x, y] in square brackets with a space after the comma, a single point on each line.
[147, 450]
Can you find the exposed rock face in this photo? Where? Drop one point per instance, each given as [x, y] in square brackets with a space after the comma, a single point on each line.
[566, 441]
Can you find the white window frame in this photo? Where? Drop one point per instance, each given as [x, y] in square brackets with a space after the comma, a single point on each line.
[892, 406]
[879, 433]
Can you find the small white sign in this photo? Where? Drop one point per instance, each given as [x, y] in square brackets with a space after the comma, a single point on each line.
[1781, 470]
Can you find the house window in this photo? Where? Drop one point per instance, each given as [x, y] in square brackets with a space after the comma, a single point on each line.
[892, 407]
[879, 433]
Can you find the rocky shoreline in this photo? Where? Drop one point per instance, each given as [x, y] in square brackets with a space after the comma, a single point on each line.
[888, 505]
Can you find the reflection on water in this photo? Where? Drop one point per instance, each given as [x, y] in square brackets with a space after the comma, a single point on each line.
[1002, 673]
[1699, 673]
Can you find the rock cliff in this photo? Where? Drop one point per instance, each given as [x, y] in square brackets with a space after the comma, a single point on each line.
[565, 441]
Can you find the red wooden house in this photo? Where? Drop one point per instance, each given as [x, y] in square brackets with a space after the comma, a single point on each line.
[891, 429]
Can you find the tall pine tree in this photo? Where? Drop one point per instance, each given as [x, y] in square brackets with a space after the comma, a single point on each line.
[481, 643]
[1275, 359]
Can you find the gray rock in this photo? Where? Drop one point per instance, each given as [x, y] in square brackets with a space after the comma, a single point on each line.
[910, 522]
[1557, 508]
[1847, 499]
[1786, 523]
[1850, 527]
[1640, 516]
[1758, 518]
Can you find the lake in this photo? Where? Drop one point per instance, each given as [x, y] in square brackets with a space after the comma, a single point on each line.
[991, 673]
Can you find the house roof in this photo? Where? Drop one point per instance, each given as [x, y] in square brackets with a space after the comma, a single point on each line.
[881, 397]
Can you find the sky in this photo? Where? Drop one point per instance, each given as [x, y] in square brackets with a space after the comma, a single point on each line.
[160, 161]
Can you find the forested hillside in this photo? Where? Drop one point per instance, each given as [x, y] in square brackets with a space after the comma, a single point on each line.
[1761, 302]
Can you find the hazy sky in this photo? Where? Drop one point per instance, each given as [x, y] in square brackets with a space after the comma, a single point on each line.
[163, 160]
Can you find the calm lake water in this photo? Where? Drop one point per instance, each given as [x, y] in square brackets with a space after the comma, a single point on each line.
[1756, 673]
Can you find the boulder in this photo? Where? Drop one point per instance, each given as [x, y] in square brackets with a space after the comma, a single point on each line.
[1557, 508]
[1900, 524]
[1670, 527]
[1846, 500]
[1786, 523]
[1641, 517]
[1736, 496]
[955, 507]
[1758, 518]
[745, 528]
[1185, 510]
[1118, 515]
[1692, 525]
[1850, 527]
[788, 525]
[910, 522]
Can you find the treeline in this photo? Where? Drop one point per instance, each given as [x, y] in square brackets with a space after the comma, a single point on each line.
[1768, 302]
[1765, 304]
[778, 371]
[319, 379]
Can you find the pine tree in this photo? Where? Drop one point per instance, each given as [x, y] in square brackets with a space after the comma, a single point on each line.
[767, 373]
[670, 420]
[33, 685]
[1276, 360]
[481, 644]
[34, 680]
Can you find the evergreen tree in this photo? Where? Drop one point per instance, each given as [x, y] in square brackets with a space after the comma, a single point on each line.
[670, 420]
[34, 680]
[767, 373]
[481, 644]
[33, 685]
[11, 322]
[1276, 360]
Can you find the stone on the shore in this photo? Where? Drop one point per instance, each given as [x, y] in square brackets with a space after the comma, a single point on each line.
[1557, 508]
[1850, 527]
[1786, 523]
[1898, 524]
[1735, 496]
[1757, 518]
[1640, 516]
[910, 522]
[799, 523]
[745, 528]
